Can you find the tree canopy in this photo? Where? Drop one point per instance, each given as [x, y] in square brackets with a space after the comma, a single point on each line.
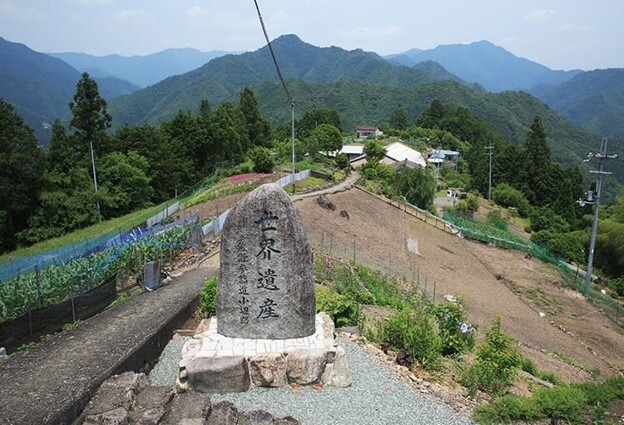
[22, 163]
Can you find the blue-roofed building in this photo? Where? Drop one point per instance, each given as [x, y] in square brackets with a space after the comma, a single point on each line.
[440, 155]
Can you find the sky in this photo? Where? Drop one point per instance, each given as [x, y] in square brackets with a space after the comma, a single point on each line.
[560, 34]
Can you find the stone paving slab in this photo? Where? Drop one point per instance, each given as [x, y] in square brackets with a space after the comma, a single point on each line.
[211, 344]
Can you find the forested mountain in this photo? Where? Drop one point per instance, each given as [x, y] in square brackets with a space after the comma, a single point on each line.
[41, 87]
[360, 86]
[222, 78]
[141, 71]
[509, 113]
[486, 64]
[593, 100]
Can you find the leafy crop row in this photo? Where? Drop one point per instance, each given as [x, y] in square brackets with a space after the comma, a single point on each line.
[51, 285]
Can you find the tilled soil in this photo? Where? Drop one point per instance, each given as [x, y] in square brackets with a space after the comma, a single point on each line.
[491, 281]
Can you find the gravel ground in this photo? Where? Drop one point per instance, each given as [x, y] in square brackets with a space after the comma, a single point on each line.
[376, 396]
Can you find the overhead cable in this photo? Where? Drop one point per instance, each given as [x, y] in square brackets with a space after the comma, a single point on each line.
[277, 68]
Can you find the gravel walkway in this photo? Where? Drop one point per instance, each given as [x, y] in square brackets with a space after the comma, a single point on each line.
[376, 396]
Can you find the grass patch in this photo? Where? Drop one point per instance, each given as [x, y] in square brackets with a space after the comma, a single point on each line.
[115, 225]
[550, 305]
[581, 403]
[305, 184]
[221, 189]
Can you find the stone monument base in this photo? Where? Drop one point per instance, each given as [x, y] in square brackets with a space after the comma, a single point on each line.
[213, 363]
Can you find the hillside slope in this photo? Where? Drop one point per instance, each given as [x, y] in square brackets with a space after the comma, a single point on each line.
[492, 281]
[592, 100]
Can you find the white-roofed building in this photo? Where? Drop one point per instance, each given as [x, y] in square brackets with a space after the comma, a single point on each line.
[366, 131]
[399, 154]
[354, 152]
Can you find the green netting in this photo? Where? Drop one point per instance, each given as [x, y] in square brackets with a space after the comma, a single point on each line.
[575, 278]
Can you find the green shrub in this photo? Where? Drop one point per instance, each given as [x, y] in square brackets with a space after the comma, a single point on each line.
[457, 336]
[262, 159]
[370, 173]
[507, 409]
[574, 404]
[599, 395]
[617, 285]
[561, 403]
[208, 298]
[497, 363]
[564, 245]
[528, 366]
[414, 331]
[510, 197]
[342, 309]
[342, 161]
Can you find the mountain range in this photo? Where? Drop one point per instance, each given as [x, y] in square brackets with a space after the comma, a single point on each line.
[41, 86]
[486, 64]
[142, 71]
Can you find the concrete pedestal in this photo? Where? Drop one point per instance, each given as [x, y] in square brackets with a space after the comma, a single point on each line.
[214, 363]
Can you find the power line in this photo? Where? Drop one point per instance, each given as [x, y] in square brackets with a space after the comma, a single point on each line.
[266, 37]
[292, 102]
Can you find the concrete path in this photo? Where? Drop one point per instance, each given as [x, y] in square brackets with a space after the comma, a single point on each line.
[52, 382]
[346, 184]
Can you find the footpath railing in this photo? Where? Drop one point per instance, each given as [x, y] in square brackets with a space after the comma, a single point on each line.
[216, 225]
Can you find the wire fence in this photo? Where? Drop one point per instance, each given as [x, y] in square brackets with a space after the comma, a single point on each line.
[324, 244]
[216, 225]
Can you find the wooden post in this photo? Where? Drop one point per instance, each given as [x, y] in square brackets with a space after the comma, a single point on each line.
[30, 325]
[73, 307]
[38, 279]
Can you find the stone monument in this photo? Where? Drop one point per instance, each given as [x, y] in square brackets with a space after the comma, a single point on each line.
[266, 286]
[266, 332]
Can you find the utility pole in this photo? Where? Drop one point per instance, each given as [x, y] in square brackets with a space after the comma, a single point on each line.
[489, 149]
[601, 156]
[97, 200]
[292, 130]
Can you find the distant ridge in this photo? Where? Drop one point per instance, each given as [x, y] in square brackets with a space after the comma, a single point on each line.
[142, 71]
[593, 99]
[224, 77]
[484, 63]
[41, 87]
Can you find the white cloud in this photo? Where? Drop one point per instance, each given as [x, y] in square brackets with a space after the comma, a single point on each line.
[540, 14]
[96, 2]
[198, 11]
[131, 14]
